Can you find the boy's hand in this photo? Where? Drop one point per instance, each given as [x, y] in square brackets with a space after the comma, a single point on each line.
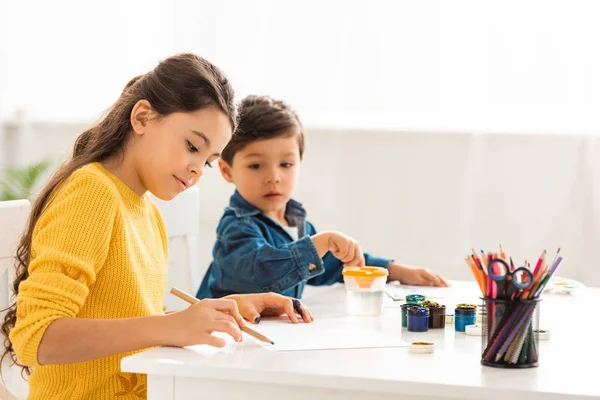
[346, 249]
[253, 306]
[415, 276]
[343, 247]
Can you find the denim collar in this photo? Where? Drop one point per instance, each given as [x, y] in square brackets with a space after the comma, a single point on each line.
[242, 208]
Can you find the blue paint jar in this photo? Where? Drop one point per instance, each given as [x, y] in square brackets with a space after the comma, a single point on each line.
[464, 314]
[418, 319]
[414, 298]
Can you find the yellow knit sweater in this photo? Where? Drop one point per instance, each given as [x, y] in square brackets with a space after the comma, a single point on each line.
[99, 251]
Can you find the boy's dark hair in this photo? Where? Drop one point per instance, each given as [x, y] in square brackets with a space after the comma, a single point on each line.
[262, 117]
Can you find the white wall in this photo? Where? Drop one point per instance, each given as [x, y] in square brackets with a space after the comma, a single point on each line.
[428, 198]
[464, 66]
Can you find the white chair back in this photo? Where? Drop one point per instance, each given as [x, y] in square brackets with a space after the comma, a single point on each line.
[182, 221]
[13, 220]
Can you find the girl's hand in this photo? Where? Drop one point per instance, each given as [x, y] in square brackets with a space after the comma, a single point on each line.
[254, 306]
[195, 324]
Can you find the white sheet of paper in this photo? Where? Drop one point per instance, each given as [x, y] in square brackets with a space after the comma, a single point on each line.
[321, 334]
[399, 292]
[326, 334]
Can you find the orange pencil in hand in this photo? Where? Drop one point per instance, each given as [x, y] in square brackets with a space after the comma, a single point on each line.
[192, 300]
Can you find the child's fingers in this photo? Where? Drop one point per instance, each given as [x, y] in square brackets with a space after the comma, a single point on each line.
[303, 311]
[251, 314]
[232, 329]
[361, 254]
[306, 314]
[349, 256]
[221, 316]
[343, 249]
[428, 278]
[288, 308]
[229, 306]
[354, 261]
[214, 341]
[444, 282]
[439, 281]
[310, 314]
[435, 280]
[225, 305]
[357, 260]
[240, 321]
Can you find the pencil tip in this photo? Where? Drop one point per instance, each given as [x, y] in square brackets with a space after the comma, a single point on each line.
[272, 342]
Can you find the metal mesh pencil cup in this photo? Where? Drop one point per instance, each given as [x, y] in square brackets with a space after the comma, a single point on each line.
[510, 337]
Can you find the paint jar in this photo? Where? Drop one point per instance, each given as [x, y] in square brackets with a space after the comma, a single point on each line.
[464, 314]
[437, 316]
[510, 333]
[404, 307]
[414, 298]
[418, 319]
[364, 289]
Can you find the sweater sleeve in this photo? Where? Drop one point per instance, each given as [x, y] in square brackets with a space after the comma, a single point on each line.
[70, 244]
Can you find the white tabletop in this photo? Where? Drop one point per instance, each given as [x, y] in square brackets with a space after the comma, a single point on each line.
[567, 365]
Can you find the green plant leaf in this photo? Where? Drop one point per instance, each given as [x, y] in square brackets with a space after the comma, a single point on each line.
[35, 171]
[18, 182]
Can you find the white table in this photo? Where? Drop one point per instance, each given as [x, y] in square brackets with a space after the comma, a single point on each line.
[453, 371]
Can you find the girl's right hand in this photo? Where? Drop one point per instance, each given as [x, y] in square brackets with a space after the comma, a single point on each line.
[195, 324]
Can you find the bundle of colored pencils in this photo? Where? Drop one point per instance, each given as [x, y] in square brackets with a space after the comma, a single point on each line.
[511, 299]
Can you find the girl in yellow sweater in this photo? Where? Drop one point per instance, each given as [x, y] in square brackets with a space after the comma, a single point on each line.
[92, 263]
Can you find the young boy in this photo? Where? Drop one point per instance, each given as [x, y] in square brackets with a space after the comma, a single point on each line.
[264, 242]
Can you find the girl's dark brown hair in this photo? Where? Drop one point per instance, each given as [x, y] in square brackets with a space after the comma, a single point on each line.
[181, 83]
[262, 117]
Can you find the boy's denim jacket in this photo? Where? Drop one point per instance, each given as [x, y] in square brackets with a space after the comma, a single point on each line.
[254, 254]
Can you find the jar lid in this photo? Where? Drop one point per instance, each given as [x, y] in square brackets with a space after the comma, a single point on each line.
[422, 347]
[417, 311]
[364, 271]
[544, 334]
[415, 298]
[465, 305]
[364, 276]
[438, 309]
[473, 330]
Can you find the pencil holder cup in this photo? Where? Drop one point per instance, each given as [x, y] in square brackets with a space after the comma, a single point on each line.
[510, 337]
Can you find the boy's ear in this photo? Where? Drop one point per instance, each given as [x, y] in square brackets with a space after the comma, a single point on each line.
[225, 170]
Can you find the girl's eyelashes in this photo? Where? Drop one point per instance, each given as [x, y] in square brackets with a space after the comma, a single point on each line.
[191, 147]
[194, 149]
[254, 166]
